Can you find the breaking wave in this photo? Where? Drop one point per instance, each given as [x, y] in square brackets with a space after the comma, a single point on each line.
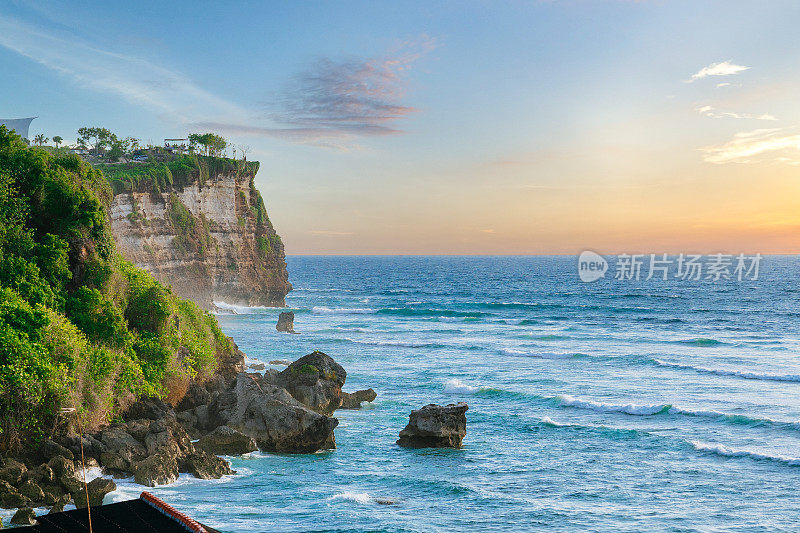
[734, 373]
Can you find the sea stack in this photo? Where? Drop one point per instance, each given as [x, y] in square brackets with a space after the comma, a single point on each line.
[435, 426]
[286, 322]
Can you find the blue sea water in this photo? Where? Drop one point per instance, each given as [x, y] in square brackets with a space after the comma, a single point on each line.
[611, 406]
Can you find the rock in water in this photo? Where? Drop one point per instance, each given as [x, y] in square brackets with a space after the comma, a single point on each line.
[270, 415]
[226, 441]
[286, 322]
[97, 488]
[315, 380]
[352, 400]
[435, 426]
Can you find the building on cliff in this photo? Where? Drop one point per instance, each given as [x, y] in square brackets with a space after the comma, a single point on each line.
[207, 234]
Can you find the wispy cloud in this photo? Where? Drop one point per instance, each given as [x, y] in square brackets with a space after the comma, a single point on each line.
[362, 97]
[330, 104]
[757, 146]
[336, 101]
[709, 111]
[136, 80]
[725, 68]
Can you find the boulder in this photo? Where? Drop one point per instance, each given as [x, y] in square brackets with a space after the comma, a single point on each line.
[10, 498]
[32, 491]
[226, 441]
[271, 416]
[156, 470]
[91, 446]
[205, 465]
[59, 504]
[315, 380]
[24, 517]
[280, 362]
[12, 471]
[42, 474]
[435, 426]
[50, 449]
[258, 366]
[352, 400]
[196, 395]
[122, 449]
[285, 322]
[97, 488]
[64, 473]
[149, 408]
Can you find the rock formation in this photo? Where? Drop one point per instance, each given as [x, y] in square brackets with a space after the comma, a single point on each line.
[285, 322]
[315, 380]
[226, 441]
[352, 400]
[211, 239]
[271, 416]
[278, 412]
[435, 426]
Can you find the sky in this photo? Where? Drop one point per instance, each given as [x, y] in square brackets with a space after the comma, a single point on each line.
[451, 127]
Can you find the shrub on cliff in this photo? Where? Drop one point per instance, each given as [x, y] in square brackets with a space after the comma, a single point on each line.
[79, 326]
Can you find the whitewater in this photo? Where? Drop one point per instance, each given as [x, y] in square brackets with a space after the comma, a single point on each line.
[611, 406]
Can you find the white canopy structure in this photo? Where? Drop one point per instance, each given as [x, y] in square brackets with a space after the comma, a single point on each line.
[20, 125]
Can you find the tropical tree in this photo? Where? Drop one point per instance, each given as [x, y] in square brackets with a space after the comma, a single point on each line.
[40, 139]
[57, 140]
[99, 138]
[212, 144]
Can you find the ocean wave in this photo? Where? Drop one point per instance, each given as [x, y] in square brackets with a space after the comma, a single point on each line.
[541, 355]
[424, 312]
[456, 386]
[724, 451]
[226, 308]
[733, 373]
[603, 407]
[402, 344]
[319, 310]
[358, 497]
[700, 341]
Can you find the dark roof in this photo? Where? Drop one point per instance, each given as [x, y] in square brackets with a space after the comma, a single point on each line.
[147, 514]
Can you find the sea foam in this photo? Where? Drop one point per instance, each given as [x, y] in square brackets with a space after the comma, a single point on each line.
[724, 451]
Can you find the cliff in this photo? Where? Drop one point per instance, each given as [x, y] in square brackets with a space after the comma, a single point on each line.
[199, 225]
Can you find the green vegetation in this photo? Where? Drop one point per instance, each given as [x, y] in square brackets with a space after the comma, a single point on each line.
[79, 326]
[213, 144]
[305, 369]
[180, 171]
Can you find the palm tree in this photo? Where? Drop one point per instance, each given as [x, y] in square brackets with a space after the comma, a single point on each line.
[57, 140]
[40, 139]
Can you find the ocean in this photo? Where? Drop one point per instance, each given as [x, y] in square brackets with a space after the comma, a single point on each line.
[607, 406]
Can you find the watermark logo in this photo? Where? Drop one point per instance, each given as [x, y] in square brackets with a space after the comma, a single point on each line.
[591, 266]
[691, 267]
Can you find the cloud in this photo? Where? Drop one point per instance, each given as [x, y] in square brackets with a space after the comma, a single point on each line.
[725, 68]
[757, 146]
[354, 96]
[136, 80]
[331, 104]
[708, 111]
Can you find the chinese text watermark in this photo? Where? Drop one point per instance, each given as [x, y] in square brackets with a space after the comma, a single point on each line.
[692, 267]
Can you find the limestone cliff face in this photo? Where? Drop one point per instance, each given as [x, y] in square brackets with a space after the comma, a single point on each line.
[210, 240]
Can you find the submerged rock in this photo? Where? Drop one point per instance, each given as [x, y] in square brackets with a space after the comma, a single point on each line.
[271, 416]
[352, 400]
[258, 366]
[285, 322]
[226, 441]
[435, 426]
[315, 380]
